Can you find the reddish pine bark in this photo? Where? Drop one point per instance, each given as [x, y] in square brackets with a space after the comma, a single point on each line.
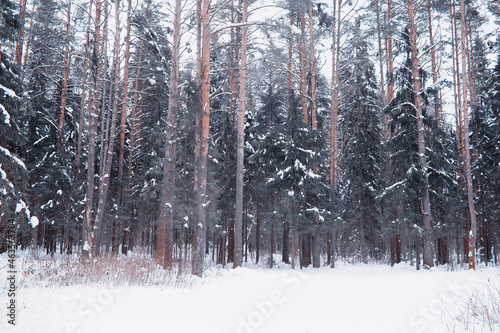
[435, 71]
[390, 60]
[303, 69]
[19, 47]
[316, 246]
[465, 135]
[233, 105]
[168, 190]
[25, 59]
[199, 80]
[417, 85]
[381, 61]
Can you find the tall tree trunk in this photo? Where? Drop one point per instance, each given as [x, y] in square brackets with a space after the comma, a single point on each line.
[312, 59]
[199, 79]
[168, 190]
[289, 84]
[233, 105]
[471, 69]
[417, 85]
[123, 118]
[109, 143]
[386, 102]
[19, 47]
[84, 82]
[456, 88]
[333, 168]
[303, 69]
[390, 60]
[335, 94]
[240, 154]
[106, 115]
[66, 67]
[234, 54]
[459, 119]
[106, 105]
[390, 79]
[303, 102]
[201, 195]
[438, 109]
[28, 39]
[289, 74]
[381, 62]
[435, 71]
[87, 234]
[316, 246]
[465, 134]
[122, 194]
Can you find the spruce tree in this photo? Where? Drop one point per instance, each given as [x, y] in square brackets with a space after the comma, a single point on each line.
[486, 139]
[53, 190]
[361, 153]
[400, 199]
[267, 139]
[13, 171]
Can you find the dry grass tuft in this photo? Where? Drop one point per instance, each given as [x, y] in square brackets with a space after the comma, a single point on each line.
[111, 270]
[477, 310]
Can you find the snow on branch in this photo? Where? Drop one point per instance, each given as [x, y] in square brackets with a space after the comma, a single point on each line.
[13, 157]
[6, 115]
[9, 92]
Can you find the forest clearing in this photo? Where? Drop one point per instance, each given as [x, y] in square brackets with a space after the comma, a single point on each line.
[131, 294]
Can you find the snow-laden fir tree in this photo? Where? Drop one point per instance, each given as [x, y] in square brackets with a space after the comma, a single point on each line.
[485, 140]
[13, 171]
[267, 141]
[400, 199]
[361, 152]
[54, 193]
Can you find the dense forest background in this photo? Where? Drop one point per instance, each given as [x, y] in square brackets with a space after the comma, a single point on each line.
[240, 130]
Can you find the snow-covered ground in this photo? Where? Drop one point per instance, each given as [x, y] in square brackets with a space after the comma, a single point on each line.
[349, 298]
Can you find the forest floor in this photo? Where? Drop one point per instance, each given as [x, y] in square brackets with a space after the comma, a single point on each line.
[132, 295]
